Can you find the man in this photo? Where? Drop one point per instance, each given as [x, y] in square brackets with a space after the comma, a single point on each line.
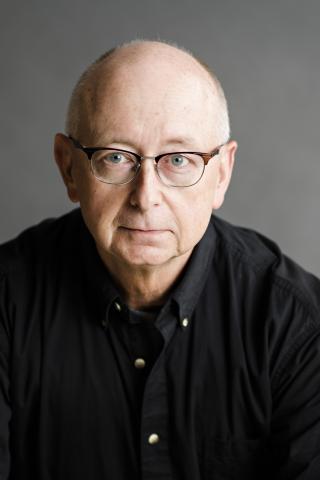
[142, 337]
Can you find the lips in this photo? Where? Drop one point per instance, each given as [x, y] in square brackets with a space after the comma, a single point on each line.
[139, 229]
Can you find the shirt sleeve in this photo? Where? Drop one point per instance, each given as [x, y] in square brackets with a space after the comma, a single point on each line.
[5, 410]
[295, 439]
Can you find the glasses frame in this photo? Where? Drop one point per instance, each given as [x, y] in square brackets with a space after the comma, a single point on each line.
[89, 151]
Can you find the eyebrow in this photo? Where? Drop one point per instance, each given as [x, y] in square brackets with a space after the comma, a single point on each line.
[185, 141]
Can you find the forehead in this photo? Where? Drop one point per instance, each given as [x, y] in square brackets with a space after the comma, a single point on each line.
[171, 99]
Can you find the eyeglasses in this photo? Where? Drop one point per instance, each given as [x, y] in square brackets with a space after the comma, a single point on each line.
[119, 167]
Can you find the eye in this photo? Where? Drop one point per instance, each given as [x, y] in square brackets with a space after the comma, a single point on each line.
[178, 160]
[116, 158]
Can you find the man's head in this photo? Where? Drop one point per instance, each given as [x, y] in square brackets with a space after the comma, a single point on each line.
[148, 98]
[84, 96]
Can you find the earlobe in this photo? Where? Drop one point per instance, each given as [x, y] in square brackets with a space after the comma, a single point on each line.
[226, 164]
[64, 160]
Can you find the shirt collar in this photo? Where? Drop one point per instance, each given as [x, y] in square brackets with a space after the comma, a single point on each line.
[101, 290]
[188, 290]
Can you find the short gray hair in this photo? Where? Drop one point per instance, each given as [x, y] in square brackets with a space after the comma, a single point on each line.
[74, 111]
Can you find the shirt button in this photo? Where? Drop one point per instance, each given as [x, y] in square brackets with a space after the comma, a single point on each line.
[139, 363]
[117, 306]
[185, 322]
[154, 438]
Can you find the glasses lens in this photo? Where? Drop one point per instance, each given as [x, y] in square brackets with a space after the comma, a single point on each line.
[180, 169]
[113, 166]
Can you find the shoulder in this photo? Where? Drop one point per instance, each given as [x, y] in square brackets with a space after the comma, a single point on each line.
[39, 242]
[274, 301]
[260, 260]
[249, 246]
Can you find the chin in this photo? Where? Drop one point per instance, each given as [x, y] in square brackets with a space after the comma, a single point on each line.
[145, 257]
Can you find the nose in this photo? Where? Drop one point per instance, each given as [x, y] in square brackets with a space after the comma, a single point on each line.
[146, 187]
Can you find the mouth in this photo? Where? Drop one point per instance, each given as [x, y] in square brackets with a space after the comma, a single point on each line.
[144, 234]
[143, 230]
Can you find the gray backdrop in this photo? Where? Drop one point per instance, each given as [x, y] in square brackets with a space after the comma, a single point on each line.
[266, 53]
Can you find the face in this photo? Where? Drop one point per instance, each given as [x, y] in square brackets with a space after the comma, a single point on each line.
[146, 223]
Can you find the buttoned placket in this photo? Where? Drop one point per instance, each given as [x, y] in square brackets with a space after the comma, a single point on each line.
[155, 454]
[154, 437]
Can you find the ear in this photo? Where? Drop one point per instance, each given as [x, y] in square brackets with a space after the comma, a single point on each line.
[65, 160]
[225, 168]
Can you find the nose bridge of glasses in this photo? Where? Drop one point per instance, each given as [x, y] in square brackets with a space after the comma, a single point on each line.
[144, 168]
[148, 172]
[147, 157]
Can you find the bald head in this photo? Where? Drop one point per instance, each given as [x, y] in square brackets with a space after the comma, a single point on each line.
[149, 63]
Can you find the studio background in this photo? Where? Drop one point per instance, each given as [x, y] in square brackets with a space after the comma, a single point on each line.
[266, 55]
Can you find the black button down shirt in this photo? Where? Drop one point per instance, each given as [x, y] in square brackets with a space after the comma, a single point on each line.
[223, 384]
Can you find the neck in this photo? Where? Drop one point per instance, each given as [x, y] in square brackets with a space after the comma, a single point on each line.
[145, 286]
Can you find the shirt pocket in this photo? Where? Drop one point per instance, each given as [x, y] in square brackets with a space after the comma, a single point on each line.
[234, 459]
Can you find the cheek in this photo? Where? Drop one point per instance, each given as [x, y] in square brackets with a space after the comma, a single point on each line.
[99, 208]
